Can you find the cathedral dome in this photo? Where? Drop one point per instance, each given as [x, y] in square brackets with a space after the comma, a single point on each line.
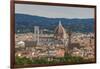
[60, 32]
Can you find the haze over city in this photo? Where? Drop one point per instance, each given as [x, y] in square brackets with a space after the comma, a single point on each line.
[55, 11]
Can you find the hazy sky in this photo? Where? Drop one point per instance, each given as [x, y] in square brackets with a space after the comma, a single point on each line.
[54, 11]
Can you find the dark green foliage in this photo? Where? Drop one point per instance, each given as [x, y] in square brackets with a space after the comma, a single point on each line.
[67, 60]
[23, 60]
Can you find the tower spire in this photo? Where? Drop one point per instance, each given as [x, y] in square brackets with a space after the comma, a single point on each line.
[60, 23]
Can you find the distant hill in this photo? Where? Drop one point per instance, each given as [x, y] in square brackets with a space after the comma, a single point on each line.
[26, 23]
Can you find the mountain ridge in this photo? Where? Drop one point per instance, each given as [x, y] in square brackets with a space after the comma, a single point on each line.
[27, 23]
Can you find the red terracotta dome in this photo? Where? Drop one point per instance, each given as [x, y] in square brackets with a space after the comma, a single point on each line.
[60, 32]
